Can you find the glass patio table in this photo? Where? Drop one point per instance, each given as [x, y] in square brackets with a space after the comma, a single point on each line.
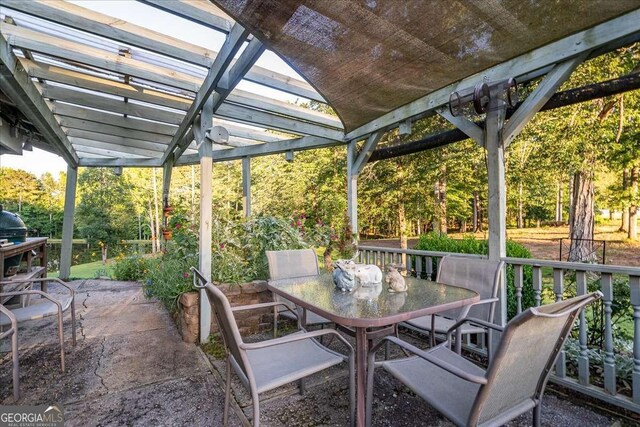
[369, 309]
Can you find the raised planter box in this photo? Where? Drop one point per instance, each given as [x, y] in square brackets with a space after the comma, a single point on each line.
[249, 322]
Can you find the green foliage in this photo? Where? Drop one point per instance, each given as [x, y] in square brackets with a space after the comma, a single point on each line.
[167, 279]
[131, 268]
[470, 245]
[104, 212]
[266, 233]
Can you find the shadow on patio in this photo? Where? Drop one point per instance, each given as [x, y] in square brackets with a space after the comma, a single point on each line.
[130, 367]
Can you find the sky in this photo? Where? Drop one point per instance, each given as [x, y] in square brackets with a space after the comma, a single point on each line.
[39, 162]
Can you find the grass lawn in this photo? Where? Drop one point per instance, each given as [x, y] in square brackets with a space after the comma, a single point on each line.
[88, 271]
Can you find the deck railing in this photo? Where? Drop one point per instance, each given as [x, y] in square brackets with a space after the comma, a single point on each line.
[551, 281]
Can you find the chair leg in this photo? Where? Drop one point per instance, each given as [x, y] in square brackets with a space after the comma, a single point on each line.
[352, 392]
[73, 320]
[16, 368]
[275, 322]
[256, 407]
[227, 394]
[369, 395]
[61, 337]
[536, 414]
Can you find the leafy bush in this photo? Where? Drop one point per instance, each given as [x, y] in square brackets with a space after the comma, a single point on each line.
[266, 233]
[237, 254]
[168, 278]
[131, 268]
[169, 275]
[471, 245]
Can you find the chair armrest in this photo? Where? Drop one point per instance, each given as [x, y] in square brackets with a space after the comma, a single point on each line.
[42, 279]
[473, 320]
[485, 301]
[263, 305]
[12, 319]
[34, 292]
[460, 373]
[297, 337]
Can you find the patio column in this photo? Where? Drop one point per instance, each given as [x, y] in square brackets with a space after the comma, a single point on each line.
[246, 186]
[494, 145]
[167, 169]
[205, 153]
[356, 161]
[352, 188]
[67, 223]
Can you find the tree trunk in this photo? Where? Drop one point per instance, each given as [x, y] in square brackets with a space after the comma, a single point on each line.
[571, 190]
[440, 194]
[104, 250]
[476, 215]
[559, 203]
[402, 225]
[463, 226]
[633, 209]
[582, 221]
[520, 223]
[624, 227]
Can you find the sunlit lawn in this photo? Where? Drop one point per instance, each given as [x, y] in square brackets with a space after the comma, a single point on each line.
[91, 270]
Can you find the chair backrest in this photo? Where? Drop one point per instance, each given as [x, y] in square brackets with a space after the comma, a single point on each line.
[292, 263]
[227, 323]
[480, 275]
[519, 370]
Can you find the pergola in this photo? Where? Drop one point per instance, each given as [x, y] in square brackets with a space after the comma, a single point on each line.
[102, 92]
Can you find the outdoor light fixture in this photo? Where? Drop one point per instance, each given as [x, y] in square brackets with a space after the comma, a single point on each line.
[475, 100]
[26, 143]
[218, 134]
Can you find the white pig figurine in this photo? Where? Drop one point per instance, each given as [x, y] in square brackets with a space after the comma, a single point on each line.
[368, 274]
[394, 279]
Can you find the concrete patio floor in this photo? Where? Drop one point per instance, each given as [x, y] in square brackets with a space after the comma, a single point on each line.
[130, 367]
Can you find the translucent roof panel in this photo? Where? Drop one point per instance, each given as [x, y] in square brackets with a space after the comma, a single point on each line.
[369, 57]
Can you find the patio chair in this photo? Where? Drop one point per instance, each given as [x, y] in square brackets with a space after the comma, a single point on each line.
[480, 275]
[290, 264]
[514, 381]
[266, 365]
[13, 332]
[50, 307]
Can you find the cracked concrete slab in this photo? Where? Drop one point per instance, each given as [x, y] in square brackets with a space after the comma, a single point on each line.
[130, 366]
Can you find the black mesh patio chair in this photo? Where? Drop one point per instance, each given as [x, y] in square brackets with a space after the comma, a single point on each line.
[290, 264]
[49, 306]
[480, 275]
[514, 381]
[266, 365]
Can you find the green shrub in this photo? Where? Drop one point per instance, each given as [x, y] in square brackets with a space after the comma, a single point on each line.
[131, 268]
[168, 278]
[470, 245]
[266, 233]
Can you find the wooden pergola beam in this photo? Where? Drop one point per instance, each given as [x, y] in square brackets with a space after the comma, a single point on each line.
[57, 47]
[19, 87]
[619, 31]
[124, 32]
[231, 46]
[203, 13]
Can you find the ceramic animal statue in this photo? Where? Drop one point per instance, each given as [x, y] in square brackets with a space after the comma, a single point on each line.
[344, 275]
[367, 274]
[394, 279]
